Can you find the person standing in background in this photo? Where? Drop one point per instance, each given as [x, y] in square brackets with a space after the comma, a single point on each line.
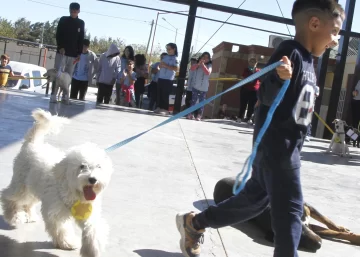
[200, 86]
[142, 74]
[108, 71]
[152, 88]
[69, 39]
[128, 54]
[169, 65]
[83, 72]
[355, 106]
[248, 93]
[189, 83]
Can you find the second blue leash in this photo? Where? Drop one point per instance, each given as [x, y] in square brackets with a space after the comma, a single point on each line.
[197, 106]
[250, 160]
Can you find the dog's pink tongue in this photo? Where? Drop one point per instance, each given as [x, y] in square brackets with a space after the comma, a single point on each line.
[89, 193]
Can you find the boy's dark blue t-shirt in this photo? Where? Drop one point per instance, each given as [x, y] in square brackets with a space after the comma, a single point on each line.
[282, 142]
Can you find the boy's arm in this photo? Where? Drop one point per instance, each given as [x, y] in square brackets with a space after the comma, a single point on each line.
[81, 37]
[271, 83]
[60, 33]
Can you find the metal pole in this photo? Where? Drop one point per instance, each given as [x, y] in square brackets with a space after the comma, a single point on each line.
[340, 65]
[176, 35]
[322, 72]
[147, 47]
[185, 55]
[152, 45]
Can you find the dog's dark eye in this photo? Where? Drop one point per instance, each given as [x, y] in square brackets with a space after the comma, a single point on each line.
[82, 166]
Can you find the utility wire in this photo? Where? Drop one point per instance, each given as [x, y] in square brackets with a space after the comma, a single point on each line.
[219, 28]
[115, 17]
[283, 17]
[104, 15]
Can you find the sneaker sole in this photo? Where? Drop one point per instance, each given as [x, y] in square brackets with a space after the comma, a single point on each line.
[181, 229]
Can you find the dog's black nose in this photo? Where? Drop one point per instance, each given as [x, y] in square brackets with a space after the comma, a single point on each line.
[92, 180]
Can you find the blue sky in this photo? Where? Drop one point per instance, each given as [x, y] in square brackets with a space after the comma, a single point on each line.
[133, 24]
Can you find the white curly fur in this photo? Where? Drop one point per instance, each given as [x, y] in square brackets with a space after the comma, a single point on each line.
[43, 173]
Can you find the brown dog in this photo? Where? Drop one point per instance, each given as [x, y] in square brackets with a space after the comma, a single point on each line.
[311, 234]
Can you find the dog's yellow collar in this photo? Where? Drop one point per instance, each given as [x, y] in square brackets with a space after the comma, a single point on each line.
[337, 139]
[81, 211]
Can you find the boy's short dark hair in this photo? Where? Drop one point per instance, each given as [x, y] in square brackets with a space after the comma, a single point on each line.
[130, 61]
[86, 42]
[74, 6]
[321, 7]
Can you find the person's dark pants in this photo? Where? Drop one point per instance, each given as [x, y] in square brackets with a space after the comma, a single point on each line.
[248, 99]
[78, 88]
[104, 93]
[355, 109]
[152, 95]
[163, 92]
[139, 90]
[281, 188]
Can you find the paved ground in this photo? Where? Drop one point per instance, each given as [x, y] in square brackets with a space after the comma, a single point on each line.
[172, 169]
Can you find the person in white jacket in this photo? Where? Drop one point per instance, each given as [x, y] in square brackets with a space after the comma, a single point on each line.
[108, 70]
[84, 71]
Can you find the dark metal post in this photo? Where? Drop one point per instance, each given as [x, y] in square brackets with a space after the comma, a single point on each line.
[5, 47]
[322, 67]
[40, 56]
[340, 65]
[185, 55]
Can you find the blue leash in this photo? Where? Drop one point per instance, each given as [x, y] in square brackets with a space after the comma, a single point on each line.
[250, 160]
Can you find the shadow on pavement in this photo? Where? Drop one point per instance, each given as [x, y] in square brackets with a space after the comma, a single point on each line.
[156, 253]
[12, 248]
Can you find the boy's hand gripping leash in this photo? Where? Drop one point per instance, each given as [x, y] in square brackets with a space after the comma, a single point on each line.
[250, 159]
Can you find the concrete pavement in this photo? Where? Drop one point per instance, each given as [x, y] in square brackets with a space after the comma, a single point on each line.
[169, 170]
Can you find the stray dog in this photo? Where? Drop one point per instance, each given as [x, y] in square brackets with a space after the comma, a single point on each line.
[62, 80]
[311, 234]
[65, 183]
[338, 144]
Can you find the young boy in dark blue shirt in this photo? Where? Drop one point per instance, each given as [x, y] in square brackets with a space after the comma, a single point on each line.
[276, 170]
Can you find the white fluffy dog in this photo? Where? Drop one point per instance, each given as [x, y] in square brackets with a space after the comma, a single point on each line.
[62, 80]
[59, 180]
[338, 144]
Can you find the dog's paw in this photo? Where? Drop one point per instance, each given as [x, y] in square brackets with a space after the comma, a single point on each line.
[19, 218]
[68, 243]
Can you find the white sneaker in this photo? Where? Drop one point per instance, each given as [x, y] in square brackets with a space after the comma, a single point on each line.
[307, 139]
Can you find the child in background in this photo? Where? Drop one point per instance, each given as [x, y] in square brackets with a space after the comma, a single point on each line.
[127, 80]
[108, 70]
[189, 83]
[128, 54]
[202, 71]
[275, 178]
[169, 65]
[142, 74]
[6, 71]
[152, 89]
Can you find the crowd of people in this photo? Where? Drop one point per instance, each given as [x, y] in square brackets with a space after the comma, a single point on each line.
[127, 72]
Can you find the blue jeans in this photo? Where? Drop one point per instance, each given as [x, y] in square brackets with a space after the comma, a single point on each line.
[196, 94]
[281, 188]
